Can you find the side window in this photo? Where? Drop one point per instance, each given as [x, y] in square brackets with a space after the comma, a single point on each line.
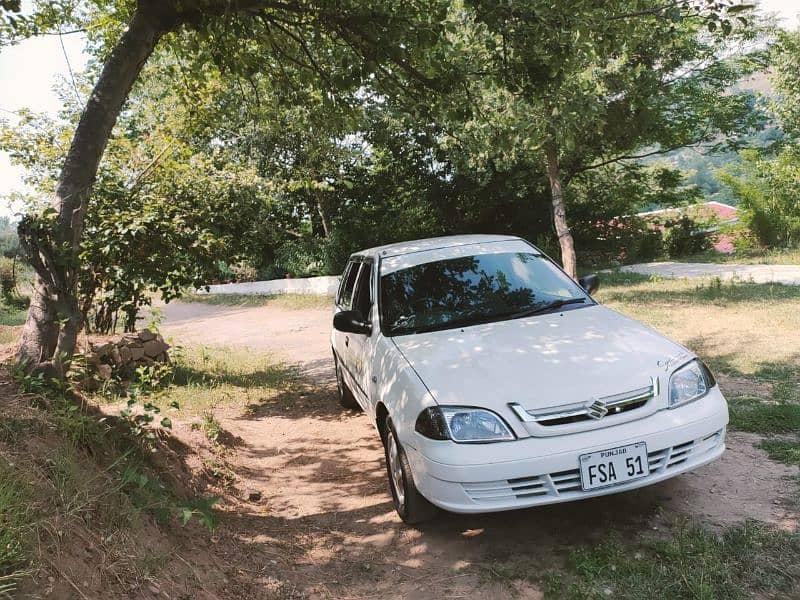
[346, 288]
[363, 297]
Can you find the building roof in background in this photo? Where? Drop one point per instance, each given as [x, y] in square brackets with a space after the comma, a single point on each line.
[724, 212]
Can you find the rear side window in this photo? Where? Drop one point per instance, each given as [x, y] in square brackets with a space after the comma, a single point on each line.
[345, 297]
[363, 296]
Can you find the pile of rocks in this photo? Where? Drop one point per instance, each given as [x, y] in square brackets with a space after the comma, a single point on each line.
[122, 355]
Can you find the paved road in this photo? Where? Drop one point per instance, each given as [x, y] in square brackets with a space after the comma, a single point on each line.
[786, 274]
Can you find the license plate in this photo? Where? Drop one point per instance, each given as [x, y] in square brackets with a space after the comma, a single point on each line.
[614, 466]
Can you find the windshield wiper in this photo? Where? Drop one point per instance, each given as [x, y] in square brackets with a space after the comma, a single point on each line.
[545, 307]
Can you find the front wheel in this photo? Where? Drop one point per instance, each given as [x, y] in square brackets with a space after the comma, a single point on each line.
[408, 502]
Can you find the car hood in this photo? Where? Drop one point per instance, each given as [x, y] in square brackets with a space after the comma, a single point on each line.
[541, 361]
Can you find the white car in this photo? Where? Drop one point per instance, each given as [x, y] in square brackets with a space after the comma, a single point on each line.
[496, 382]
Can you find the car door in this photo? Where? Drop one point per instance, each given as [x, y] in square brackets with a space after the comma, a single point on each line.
[360, 348]
[344, 301]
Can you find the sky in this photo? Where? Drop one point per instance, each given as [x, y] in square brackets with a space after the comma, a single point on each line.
[29, 70]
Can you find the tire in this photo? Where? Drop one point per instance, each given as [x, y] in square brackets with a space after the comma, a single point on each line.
[346, 397]
[411, 506]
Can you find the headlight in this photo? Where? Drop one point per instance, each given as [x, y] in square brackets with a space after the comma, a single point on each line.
[691, 382]
[462, 424]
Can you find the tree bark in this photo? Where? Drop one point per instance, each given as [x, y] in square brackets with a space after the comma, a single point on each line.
[55, 319]
[322, 209]
[565, 241]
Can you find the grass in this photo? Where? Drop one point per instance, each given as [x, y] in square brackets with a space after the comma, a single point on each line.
[209, 377]
[15, 517]
[203, 378]
[12, 315]
[785, 451]
[735, 325]
[756, 415]
[685, 561]
[696, 564]
[285, 301]
[747, 257]
[67, 474]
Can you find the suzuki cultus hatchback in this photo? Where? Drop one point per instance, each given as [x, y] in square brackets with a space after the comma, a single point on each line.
[496, 382]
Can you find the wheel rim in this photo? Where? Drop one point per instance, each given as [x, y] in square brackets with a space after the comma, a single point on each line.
[395, 469]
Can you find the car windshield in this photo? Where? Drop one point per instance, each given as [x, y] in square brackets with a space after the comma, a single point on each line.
[470, 290]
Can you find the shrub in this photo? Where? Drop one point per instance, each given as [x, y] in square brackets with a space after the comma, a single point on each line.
[619, 241]
[309, 257]
[301, 257]
[684, 237]
[767, 189]
[8, 278]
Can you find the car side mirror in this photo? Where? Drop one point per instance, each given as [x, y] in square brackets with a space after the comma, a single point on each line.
[351, 321]
[590, 283]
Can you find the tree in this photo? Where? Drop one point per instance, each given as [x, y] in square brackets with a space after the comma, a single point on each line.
[574, 88]
[378, 33]
[766, 181]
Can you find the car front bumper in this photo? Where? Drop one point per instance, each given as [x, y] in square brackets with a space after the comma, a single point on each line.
[535, 471]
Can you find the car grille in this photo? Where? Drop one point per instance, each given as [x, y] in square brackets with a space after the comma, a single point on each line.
[567, 484]
[590, 410]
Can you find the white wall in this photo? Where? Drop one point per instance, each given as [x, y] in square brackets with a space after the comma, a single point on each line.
[316, 286]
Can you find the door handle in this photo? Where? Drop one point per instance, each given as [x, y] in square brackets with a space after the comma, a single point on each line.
[347, 340]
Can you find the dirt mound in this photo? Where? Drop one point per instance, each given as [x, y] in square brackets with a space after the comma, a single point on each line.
[81, 513]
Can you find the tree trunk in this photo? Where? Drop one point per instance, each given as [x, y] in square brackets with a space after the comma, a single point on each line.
[565, 240]
[55, 319]
[322, 209]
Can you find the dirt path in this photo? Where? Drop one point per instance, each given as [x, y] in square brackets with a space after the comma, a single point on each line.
[324, 526]
[785, 274]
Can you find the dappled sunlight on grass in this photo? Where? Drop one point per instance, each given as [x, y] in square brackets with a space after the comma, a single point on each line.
[208, 377]
[737, 321]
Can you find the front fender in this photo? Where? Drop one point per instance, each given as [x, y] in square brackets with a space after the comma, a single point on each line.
[399, 389]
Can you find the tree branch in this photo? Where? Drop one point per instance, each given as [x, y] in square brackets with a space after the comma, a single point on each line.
[635, 156]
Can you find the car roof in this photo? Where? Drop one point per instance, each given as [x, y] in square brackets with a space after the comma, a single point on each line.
[447, 241]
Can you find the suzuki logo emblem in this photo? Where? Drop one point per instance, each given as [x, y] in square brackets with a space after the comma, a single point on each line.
[597, 409]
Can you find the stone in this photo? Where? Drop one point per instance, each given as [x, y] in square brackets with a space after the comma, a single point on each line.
[115, 356]
[102, 350]
[104, 371]
[146, 335]
[153, 348]
[254, 495]
[137, 353]
[126, 354]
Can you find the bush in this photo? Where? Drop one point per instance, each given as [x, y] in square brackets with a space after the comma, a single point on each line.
[8, 279]
[767, 189]
[684, 237]
[619, 241]
[303, 257]
[309, 257]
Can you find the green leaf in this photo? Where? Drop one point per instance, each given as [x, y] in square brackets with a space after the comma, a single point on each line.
[185, 515]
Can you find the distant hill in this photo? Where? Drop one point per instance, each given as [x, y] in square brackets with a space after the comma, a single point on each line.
[699, 167]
